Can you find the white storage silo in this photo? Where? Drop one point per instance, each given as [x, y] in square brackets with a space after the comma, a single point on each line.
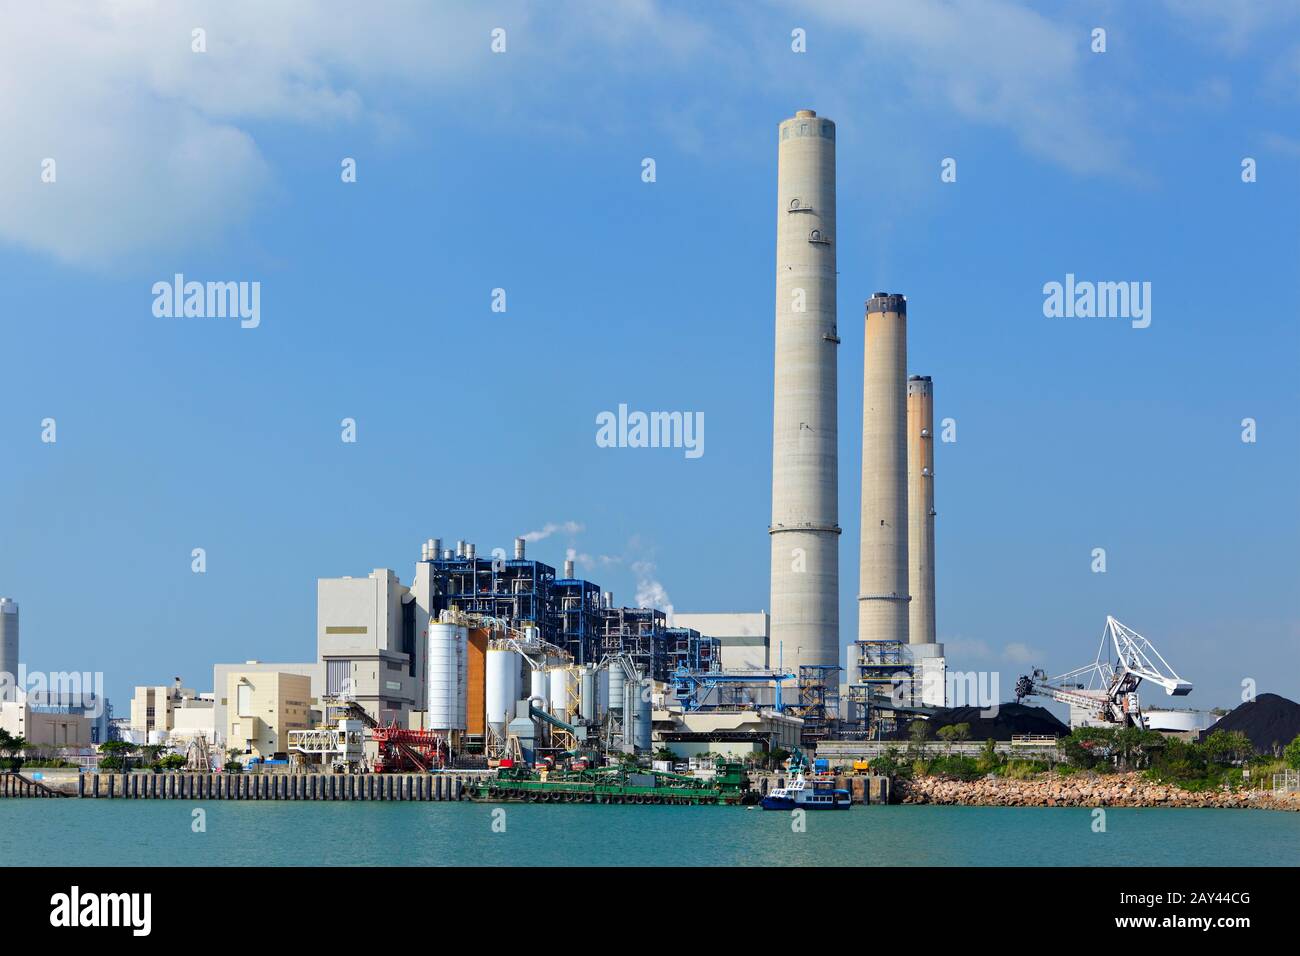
[641, 724]
[587, 705]
[559, 679]
[539, 685]
[616, 681]
[502, 687]
[447, 676]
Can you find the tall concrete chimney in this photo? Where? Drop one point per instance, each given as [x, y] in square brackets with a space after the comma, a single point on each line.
[920, 509]
[8, 650]
[882, 594]
[805, 473]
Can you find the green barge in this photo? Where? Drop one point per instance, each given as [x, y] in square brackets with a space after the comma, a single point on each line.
[614, 785]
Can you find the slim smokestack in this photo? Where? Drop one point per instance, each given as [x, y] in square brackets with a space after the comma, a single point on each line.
[920, 509]
[805, 483]
[519, 549]
[568, 570]
[882, 595]
[9, 649]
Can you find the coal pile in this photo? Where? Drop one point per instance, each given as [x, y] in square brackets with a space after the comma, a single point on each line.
[1011, 719]
[1269, 721]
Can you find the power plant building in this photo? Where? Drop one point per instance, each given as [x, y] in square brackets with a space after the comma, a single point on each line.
[367, 639]
[744, 637]
[805, 526]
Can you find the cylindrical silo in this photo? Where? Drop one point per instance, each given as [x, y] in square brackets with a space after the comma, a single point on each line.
[920, 509]
[641, 726]
[616, 681]
[447, 682]
[882, 593]
[587, 706]
[805, 485]
[8, 650]
[559, 691]
[539, 684]
[502, 690]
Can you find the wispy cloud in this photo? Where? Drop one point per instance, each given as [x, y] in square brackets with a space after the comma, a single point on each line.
[992, 62]
[1018, 653]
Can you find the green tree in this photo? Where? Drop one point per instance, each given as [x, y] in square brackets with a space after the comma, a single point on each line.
[1292, 754]
[1089, 747]
[1133, 747]
[10, 747]
[989, 758]
[172, 762]
[115, 754]
[151, 754]
[232, 764]
[1226, 747]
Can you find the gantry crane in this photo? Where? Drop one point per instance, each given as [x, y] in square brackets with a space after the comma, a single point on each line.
[1109, 693]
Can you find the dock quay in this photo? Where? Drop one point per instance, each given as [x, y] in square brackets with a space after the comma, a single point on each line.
[410, 787]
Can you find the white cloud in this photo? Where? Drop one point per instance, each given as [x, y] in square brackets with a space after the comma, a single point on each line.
[993, 62]
[158, 147]
[154, 143]
[1018, 653]
[957, 648]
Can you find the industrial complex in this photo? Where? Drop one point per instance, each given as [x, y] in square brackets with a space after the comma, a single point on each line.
[481, 660]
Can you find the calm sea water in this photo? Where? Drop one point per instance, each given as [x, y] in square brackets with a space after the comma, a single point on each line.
[153, 833]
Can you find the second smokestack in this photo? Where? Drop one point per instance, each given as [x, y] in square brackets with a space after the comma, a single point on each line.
[883, 590]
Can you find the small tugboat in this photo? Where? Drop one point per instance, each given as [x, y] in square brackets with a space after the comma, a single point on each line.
[798, 795]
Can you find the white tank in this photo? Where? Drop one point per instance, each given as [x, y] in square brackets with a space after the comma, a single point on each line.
[641, 725]
[616, 681]
[447, 676]
[1179, 721]
[502, 687]
[587, 693]
[538, 684]
[559, 677]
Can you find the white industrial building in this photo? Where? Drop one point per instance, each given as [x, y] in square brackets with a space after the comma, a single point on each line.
[221, 681]
[745, 636]
[369, 643]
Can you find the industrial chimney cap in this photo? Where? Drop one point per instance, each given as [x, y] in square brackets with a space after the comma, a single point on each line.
[805, 113]
[887, 302]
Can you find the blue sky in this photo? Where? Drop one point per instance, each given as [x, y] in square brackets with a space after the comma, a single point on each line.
[522, 171]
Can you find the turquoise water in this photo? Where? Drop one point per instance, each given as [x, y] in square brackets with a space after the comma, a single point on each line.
[154, 833]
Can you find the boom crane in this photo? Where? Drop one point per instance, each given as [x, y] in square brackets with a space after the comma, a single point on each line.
[1110, 691]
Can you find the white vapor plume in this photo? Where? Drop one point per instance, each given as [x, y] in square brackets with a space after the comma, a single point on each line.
[550, 528]
[649, 591]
